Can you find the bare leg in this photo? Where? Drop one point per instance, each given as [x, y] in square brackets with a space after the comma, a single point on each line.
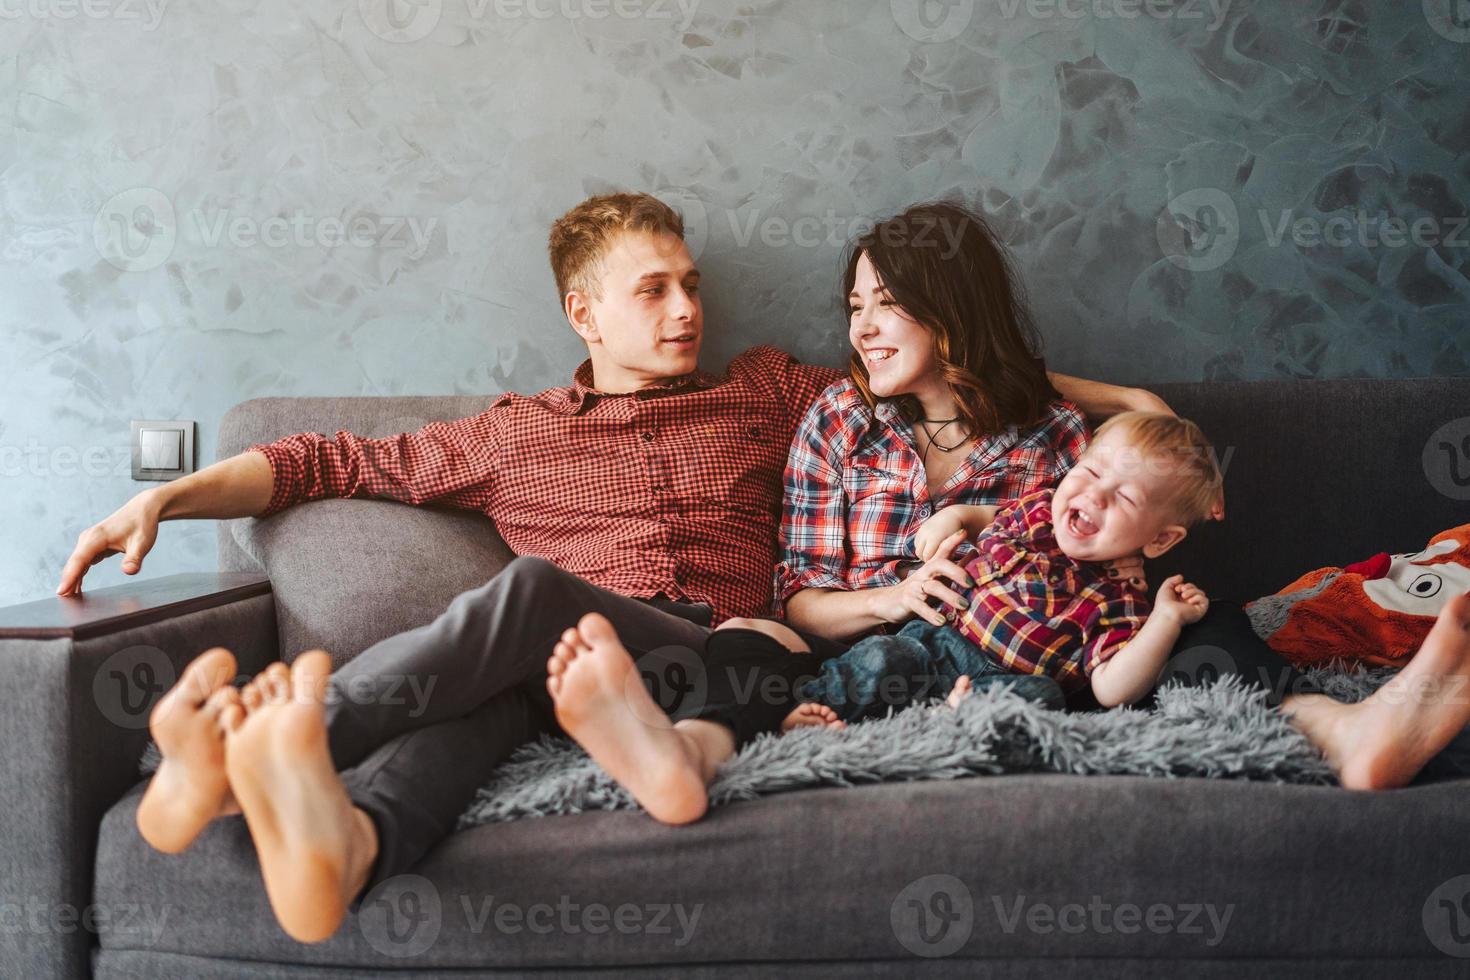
[959, 692]
[190, 787]
[316, 849]
[1386, 739]
[602, 703]
[812, 715]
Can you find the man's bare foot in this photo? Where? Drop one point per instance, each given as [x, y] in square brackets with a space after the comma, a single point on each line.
[316, 849]
[1383, 741]
[811, 715]
[190, 788]
[959, 692]
[602, 703]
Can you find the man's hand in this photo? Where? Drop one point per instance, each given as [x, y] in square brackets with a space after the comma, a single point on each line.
[1181, 601]
[129, 532]
[910, 598]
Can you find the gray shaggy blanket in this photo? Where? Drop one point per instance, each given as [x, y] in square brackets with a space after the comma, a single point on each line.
[1222, 731]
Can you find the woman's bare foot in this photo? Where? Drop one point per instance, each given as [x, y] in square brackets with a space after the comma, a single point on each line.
[190, 787]
[1383, 741]
[602, 703]
[811, 715]
[316, 849]
[959, 692]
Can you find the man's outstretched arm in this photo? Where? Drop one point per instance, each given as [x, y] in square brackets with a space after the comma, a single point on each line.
[236, 487]
[1099, 399]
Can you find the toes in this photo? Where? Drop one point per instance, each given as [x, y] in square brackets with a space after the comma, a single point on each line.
[221, 699]
[206, 674]
[595, 629]
[231, 717]
[310, 675]
[274, 682]
[252, 696]
[553, 686]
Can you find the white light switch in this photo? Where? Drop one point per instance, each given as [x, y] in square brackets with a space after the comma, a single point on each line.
[160, 449]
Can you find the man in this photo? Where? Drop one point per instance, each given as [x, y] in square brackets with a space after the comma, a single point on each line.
[647, 491]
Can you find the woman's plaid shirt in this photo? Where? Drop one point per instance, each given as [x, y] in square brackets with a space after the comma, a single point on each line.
[1037, 611]
[672, 491]
[856, 492]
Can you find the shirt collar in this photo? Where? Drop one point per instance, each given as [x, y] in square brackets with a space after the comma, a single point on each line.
[581, 394]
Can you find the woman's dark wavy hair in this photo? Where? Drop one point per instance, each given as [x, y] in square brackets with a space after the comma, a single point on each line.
[946, 268]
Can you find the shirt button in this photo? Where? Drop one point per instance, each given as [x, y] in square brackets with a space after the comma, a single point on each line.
[646, 436]
[924, 511]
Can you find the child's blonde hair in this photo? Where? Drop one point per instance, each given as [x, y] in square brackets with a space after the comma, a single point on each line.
[1198, 483]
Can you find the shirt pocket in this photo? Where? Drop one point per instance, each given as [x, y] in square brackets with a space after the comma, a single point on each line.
[736, 464]
[880, 507]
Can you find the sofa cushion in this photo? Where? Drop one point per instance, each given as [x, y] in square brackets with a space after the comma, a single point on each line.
[1016, 864]
[347, 573]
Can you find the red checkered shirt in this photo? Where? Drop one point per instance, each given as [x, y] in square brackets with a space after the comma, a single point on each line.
[1037, 611]
[856, 492]
[671, 491]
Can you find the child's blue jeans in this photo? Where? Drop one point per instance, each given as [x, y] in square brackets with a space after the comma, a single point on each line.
[919, 662]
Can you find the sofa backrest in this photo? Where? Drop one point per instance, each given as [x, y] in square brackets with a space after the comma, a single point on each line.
[1316, 473]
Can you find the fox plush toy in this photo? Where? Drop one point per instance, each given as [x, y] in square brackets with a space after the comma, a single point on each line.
[1376, 611]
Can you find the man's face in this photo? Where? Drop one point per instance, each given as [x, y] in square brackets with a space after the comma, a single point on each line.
[648, 322]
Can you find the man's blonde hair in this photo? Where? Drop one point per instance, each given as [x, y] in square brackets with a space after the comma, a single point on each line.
[580, 239]
[1198, 485]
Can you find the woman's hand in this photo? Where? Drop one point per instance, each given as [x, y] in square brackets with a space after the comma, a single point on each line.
[910, 598]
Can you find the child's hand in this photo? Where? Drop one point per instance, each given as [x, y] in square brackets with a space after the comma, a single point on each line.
[1181, 600]
[931, 533]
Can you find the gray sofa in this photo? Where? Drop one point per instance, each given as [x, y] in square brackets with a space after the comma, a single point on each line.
[1016, 876]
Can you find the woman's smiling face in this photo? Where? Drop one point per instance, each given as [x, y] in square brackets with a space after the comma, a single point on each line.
[897, 350]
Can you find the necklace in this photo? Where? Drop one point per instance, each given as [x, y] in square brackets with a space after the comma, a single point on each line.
[933, 435]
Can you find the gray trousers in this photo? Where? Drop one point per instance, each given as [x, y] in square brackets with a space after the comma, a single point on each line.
[416, 722]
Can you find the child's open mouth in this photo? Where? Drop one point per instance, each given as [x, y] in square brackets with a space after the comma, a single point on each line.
[1080, 524]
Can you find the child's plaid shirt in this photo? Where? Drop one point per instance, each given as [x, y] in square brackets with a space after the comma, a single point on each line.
[856, 492]
[1035, 610]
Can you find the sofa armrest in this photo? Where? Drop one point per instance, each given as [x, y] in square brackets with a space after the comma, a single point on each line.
[78, 678]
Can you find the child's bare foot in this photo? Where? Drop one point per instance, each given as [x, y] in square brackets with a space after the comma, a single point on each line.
[811, 715]
[316, 849]
[190, 788]
[602, 703]
[959, 692]
[1386, 739]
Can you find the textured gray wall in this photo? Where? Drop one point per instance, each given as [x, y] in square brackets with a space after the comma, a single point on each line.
[1195, 189]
